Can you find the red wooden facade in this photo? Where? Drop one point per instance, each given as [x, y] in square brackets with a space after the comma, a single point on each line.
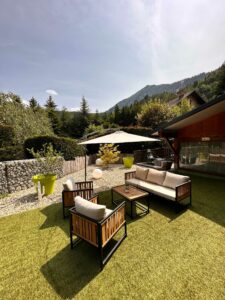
[212, 127]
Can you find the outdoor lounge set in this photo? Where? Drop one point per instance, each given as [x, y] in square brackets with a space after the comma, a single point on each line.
[164, 184]
[97, 224]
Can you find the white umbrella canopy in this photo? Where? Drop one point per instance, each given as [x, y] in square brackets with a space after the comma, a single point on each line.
[119, 137]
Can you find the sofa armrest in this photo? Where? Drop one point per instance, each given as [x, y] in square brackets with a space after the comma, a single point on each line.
[183, 191]
[112, 223]
[129, 175]
[94, 199]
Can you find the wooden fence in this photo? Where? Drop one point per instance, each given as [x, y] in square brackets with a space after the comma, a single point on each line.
[75, 165]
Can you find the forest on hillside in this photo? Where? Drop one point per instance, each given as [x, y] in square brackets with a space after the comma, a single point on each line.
[19, 122]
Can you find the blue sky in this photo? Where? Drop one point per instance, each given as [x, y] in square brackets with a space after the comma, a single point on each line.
[105, 50]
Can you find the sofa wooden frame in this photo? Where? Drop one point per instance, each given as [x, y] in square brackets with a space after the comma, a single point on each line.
[82, 188]
[98, 233]
[182, 191]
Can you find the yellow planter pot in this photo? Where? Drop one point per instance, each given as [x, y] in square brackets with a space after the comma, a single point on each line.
[128, 161]
[49, 183]
[36, 178]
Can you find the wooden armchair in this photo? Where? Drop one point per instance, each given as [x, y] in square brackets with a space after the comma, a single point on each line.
[82, 188]
[98, 233]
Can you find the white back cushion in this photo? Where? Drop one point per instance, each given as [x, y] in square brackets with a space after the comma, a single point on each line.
[141, 173]
[89, 209]
[156, 176]
[69, 185]
[173, 180]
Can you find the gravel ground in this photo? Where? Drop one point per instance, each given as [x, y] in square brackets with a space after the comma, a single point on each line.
[28, 199]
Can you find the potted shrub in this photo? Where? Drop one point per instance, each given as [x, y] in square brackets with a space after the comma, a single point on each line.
[48, 159]
[108, 154]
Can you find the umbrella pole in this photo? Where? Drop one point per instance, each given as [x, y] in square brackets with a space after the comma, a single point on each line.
[85, 161]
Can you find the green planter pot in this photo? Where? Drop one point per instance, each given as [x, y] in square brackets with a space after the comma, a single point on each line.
[36, 178]
[49, 183]
[128, 161]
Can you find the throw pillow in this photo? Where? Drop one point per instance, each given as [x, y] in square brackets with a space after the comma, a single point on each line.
[156, 176]
[89, 209]
[173, 180]
[141, 173]
[69, 185]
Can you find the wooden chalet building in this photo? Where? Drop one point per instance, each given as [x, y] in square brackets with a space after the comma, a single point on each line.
[197, 138]
[194, 98]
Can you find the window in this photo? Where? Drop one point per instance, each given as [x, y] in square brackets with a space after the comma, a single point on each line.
[203, 156]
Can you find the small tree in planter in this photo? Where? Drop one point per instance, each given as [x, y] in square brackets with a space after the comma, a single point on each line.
[108, 154]
[48, 160]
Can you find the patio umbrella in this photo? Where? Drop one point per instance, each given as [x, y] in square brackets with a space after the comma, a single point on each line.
[118, 137]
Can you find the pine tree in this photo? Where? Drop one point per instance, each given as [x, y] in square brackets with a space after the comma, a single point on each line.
[52, 114]
[96, 119]
[84, 107]
[221, 80]
[33, 104]
[64, 119]
[50, 103]
[117, 114]
[55, 121]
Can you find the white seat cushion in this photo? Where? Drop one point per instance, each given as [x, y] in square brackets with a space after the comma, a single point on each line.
[172, 180]
[69, 185]
[134, 181]
[156, 176]
[89, 209]
[155, 189]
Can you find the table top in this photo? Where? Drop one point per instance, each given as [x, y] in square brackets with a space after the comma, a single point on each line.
[132, 193]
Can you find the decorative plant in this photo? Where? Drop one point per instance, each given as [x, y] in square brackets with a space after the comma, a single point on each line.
[108, 153]
[47, 157]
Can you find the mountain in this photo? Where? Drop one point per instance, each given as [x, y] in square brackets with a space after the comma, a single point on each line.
[150, 90]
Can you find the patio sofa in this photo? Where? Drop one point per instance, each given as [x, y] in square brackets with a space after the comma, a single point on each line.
[165, 184]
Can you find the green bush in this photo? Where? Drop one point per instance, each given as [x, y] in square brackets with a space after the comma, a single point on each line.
[6, 135]
[25, 122]
[66, 146]
[144, 131]
[11, 153]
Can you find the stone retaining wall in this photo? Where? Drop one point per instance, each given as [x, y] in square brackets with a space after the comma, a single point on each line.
[17, 175]
[3, 180]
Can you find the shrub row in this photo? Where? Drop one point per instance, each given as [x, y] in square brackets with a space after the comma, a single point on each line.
[144, 131]
[66, 146]
[6, 135]
[11, 153]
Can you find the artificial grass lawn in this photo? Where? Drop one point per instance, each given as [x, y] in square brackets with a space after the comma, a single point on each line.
[165, 256]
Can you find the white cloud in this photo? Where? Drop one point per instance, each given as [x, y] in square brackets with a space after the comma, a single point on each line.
[51, 92]
[25, 102]
[74, 109]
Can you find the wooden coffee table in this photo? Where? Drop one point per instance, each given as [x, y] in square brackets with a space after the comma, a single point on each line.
[131, 195]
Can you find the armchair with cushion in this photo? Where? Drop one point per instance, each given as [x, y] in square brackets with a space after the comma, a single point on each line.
[97, 225]
[72, 189]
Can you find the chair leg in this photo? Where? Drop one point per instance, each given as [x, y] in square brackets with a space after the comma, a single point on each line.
[63, 207]
[71, 233]
[176, 207]
[106, 259]
[101, 258]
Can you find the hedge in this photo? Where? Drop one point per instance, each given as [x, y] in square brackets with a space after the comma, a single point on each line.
[11, 153]
[66, 146]
[6, 135]
[144, 131]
